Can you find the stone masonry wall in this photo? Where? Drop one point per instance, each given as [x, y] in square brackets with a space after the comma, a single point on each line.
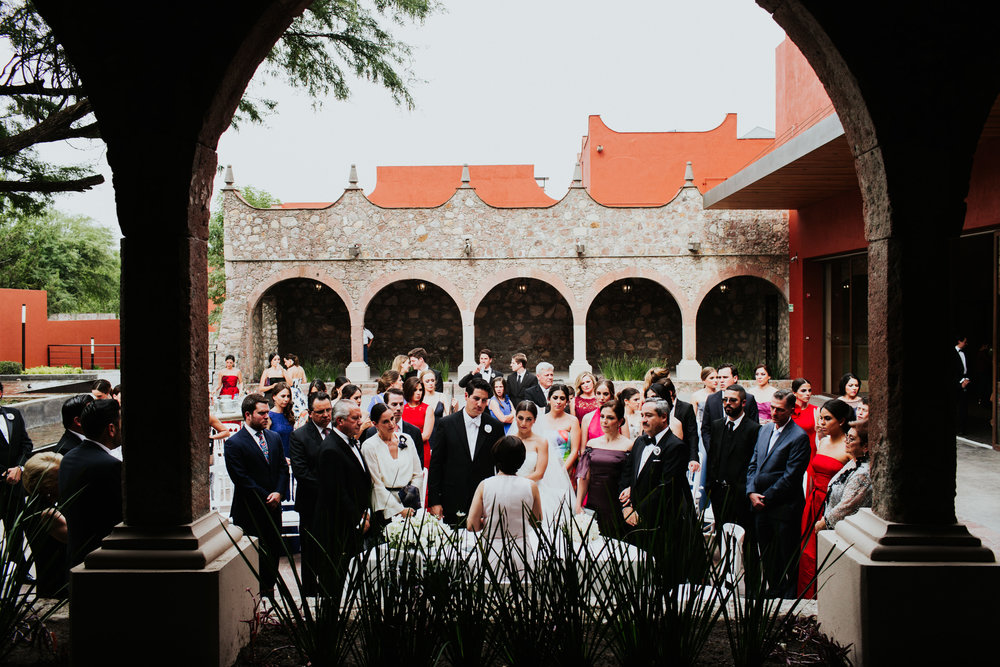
[401, 317]
[537, 322]
[645, 322]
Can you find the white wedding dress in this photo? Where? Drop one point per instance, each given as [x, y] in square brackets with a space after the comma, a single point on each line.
[554, 488]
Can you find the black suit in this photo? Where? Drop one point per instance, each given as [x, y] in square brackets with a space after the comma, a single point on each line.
[345, 489]
[713, 411]
[777, 475]
[438, 382]
[409, 429]
[488, 374]
[90, 486]
[454, 474]
[68, 442]
[14, 451]
[516, 389]
[726, 472]
[959, 372]
[254, 479]
[538, 396]
[684, 413]
[304, 445]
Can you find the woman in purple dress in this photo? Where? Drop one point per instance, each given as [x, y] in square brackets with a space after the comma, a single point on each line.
[599, 469]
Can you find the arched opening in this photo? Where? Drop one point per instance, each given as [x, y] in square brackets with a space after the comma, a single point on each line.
[413, 313]
[529, 316]
[744, 321]
[634, 317]
[306, 318]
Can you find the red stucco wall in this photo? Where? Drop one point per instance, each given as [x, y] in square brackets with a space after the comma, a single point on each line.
[801, 98]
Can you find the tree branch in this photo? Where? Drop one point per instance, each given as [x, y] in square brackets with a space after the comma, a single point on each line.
[40, 89]
[75, 185]
[58, 126]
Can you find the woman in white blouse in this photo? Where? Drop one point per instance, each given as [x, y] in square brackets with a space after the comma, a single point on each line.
[392, 460]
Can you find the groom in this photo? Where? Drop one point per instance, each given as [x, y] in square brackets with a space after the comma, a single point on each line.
[461, 454]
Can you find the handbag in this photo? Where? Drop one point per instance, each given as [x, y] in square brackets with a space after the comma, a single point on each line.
[409, 495]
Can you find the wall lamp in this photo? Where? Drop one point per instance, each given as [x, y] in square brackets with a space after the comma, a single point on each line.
[580, 248]
[522, 287]
[694, 246]
[467, 250]
[355, 250]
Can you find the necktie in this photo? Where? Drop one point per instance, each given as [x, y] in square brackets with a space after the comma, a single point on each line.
[326, 432]
[774, 437]
[354, 443]
[727, 437]
[263, 446]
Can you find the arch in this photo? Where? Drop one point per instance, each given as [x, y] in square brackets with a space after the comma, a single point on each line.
[667, 283]
[777, 281]
[642, 322]
[553, 280]
[537, 321]
[744, 319]
[425, 275]
[300, 272]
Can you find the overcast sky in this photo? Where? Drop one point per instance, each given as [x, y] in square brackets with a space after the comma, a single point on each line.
[507, 83]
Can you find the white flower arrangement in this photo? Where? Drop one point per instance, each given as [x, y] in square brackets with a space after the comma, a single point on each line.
[583, 528]
[421, 530]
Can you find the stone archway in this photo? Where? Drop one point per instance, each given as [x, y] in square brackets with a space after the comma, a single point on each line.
[413, 313]
[636, 317]
[744, 320]
[303, 317]
[526, 315]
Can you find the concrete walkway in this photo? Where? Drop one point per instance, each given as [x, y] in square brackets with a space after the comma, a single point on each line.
[977, 502]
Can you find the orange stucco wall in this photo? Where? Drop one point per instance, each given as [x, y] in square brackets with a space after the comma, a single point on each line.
[647, 168]
[801, 100]
[502, 186]
[40, 331]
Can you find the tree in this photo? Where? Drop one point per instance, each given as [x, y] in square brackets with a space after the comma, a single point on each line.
[71, 257]
[216, 250]
[46, 101]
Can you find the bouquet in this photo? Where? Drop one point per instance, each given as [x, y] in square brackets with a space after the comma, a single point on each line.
[583, 528]
[423, 530]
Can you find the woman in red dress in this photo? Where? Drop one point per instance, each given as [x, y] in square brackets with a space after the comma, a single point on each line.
[230, 379]
[831, 455]
[585, 400]
[417, 412]
[804, 414]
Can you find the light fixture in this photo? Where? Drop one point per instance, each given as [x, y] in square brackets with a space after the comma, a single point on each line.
[318, 286]
[723, 288]
[600, 148]
[580, 248]
[626, 288]
[694, 246]
[468, 247]
[846, 284]
[421, 287]
[522, 287]
[355, 250]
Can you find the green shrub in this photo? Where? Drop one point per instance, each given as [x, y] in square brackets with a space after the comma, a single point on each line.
[10, 368]
[442, 367]
[321, 369]
[54, 370]
[745, 368]
[626, 367]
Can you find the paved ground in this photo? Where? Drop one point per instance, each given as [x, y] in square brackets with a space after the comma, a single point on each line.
[977, 502]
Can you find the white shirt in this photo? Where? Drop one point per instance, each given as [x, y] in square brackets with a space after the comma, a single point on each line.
[3, 425]
[366, 336]
[775, 435]
[961, 355]
[647, 451]
[472, 431]
[354, 450]
[736, 422]
[321, 430]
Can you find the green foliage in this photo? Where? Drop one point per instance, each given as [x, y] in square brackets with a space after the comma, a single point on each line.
[71, 257]
[10, 367]
[745, 368]
[442, 367]
[256, 197]
[321, 369]
[626, 367]
[380, 364]
[54, 370]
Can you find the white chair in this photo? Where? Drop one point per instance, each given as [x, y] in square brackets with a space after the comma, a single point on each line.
[423, 488]
[731, 551]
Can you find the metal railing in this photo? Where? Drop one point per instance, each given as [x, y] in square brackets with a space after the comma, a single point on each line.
[84, 355]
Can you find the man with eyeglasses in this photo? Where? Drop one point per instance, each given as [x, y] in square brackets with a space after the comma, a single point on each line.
[733, 440]
[305, 443]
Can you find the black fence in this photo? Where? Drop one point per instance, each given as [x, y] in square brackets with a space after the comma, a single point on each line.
[85, 355]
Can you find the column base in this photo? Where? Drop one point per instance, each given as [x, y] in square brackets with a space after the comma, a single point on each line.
[188, 582]
[893, 589]
[464, 368]
[688, 370]
[358, 372]
[579, 366]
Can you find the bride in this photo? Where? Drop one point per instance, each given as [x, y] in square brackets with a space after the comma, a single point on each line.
[543, 464]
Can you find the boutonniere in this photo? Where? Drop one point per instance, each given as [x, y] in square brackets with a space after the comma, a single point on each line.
[10, 416]
[656, 450]
[488, 428]
[402, 442]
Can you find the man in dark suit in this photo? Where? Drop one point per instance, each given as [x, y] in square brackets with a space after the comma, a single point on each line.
[418, 364]
[960, 379]
[90, 480]
[656, 494]
[71, 410]
[484, 370]
[343, 513]
[461, 454]
[255, 462]
[684, 413]
[394, 399]
[304, 445]
[713, 404]
[774, 487]
[539, 392]
[520, 379]
[735, 437]
[15, 448]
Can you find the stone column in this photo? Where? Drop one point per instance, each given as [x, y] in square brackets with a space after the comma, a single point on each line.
[357, 371]
[268, 327]
[688, 368]
[580, 363]
[469, 357]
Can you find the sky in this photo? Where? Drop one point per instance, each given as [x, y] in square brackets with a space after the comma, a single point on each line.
[503, 83]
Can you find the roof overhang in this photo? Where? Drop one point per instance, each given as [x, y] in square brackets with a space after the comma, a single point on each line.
[809, 168]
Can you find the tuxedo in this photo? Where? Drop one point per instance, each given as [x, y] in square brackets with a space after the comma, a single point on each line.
[488, 374]
[454, 472]
[538, 396]
[412, 431]
[726, 471]
[345, 489]
[777, 475]
[15, 448]
[438, 382]
[304, 445]
[659, 485]
[684, 413]
[68, 442]
[516, 388]
[254, 479]
[714, 411]
[960, 370]
[90, 484]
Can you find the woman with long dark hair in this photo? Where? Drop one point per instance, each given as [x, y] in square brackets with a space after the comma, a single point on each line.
[600, 468]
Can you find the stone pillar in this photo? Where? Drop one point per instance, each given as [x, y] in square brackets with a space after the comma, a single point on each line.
[357, 371]
[688, 368]
[470, 358]
[580, 363]
[268, 327]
